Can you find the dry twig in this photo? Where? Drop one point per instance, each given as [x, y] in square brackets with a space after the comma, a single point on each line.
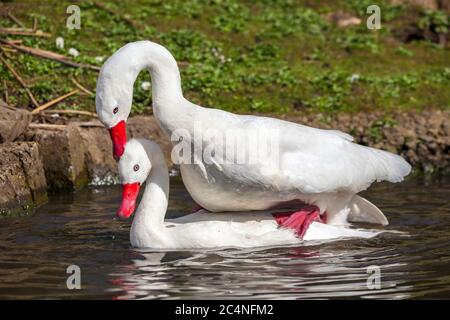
[49, 55]
[77, 112]
[5, 92]
[20, 80]
[15, 41]
[35, 22]
[79, 86]
[54, 101]
[47, 126]
[24, 32]
[15, 19]
[91, 124]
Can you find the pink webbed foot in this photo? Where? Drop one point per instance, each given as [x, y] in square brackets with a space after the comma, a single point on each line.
[299, 220]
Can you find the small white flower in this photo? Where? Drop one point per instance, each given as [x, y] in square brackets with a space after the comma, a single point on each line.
[74, 52]
[60, 43]
[145, 85]
[354, 77]
[99, 59]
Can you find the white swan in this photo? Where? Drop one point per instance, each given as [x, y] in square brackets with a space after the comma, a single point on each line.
[143, 161]
[314, 166]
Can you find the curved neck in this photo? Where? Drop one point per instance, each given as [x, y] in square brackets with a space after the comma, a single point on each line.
[165, 75]
[120, 71]
[149, 219]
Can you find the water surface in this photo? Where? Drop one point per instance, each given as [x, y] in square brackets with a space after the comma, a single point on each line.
[78, 229]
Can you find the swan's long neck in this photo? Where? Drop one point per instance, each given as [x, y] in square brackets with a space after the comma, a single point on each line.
[116, 82]
[148, 223]
[118, 74]
[166, 81]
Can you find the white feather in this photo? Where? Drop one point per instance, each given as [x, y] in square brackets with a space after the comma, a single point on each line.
[322, 167]
[204, 229]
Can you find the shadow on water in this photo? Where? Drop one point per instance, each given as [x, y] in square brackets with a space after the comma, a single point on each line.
[78, 228]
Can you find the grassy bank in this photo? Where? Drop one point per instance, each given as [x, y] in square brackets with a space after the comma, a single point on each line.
[270, 56]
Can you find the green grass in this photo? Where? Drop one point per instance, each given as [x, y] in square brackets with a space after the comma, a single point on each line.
[274, 56]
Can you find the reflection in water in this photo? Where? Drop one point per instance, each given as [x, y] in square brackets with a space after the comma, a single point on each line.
[79, 229]
[273, 273]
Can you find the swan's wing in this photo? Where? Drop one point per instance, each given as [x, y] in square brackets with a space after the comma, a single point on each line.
[325, 161]
[306, 159]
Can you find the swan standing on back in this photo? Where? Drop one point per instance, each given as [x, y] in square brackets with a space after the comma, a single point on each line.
[314, 166]
[143, 161]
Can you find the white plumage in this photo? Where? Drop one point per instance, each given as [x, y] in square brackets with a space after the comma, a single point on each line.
[203, 229]
[321, 167]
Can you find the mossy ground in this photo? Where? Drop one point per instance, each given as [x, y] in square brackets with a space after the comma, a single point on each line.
[274, 56]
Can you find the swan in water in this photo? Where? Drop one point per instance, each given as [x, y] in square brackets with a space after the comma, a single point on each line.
[143, 162]
[320, 167]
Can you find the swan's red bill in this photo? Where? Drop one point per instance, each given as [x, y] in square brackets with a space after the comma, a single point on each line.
[130, 193]
[119, 139]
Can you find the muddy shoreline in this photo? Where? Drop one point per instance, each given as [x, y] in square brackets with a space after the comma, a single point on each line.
[35, 160]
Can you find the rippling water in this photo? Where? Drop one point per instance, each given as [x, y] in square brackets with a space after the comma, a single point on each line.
[77, 228]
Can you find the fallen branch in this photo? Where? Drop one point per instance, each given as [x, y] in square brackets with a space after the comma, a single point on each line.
[7, 50]
[34, 51]
[15, 19]
[49, 55]
[54, 101]
[91, 124]
[35, 22]
[5, 92]
[64, 126]
[78, 112]
[24, 32]
[47, 126]
[20, 80]
[15, 41]
[125, 18]
[79, 86]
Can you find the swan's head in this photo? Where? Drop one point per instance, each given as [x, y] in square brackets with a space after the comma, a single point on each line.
[113, 104]
[134, 168]
[114, 96]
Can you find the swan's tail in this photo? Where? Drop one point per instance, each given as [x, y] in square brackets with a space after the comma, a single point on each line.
[389, 166]
[362, 210]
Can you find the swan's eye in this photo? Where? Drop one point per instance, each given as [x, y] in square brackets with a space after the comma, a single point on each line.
[116, 109]
[136, 167]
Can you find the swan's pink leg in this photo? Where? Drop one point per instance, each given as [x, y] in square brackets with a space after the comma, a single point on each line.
[299, 220]
[197, 208]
